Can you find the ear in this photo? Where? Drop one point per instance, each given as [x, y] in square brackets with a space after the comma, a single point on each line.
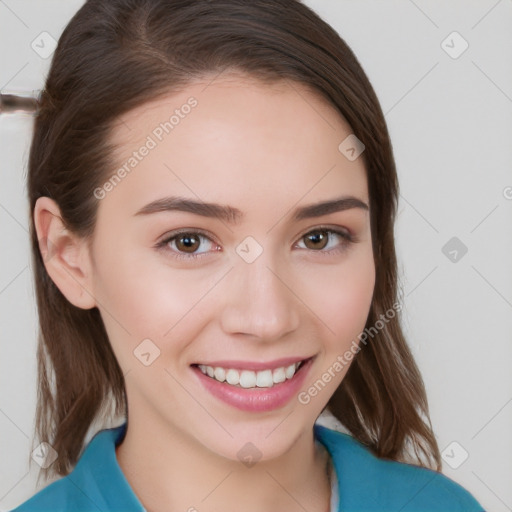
[65, 255]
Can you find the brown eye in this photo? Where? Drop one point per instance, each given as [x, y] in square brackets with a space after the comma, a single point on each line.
[316, 239]
[187, 243]
[326, 240]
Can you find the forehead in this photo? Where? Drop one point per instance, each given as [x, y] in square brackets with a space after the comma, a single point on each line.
[236, 136]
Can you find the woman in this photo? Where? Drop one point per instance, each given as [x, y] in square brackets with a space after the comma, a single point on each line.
[213, 193]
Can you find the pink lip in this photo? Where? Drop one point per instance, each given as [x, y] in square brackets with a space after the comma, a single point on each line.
[255, 366]
[256, 399]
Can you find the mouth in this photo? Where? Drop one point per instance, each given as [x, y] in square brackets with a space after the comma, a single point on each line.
[248, 379]
[254, 387]
[246, 376]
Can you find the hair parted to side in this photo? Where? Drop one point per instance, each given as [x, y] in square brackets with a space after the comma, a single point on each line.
[116, 55]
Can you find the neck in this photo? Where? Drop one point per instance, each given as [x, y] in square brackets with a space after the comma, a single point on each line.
[170, 470]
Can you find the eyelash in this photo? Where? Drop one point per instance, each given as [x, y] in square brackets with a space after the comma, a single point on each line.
[347, 239]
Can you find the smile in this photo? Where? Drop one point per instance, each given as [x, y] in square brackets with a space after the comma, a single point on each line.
[254, 387]
[251, 379]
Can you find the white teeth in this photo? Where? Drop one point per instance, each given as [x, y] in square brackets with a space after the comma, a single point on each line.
[278, 375]
[232, 377]
[264, 379]
[248, 378]
[290, 371]
[219, 374]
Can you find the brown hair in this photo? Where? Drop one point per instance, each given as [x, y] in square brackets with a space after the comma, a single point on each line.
[116, 55]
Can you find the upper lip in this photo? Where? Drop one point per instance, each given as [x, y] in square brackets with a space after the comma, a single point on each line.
[254, 365]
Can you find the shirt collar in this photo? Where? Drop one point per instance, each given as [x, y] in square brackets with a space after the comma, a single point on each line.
[112, 487]
[98, 473]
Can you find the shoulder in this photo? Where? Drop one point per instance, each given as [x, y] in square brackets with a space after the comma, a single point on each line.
[87, 487]
[367, 482]
[58, 497]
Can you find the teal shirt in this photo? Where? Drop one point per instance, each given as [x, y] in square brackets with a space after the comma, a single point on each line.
[365, 482]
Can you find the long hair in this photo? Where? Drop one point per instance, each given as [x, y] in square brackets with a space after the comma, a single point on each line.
[116, 55]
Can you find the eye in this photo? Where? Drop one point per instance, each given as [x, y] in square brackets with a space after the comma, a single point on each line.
[184, 244]
[320, 238]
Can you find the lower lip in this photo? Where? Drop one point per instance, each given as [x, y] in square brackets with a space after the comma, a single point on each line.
[256, 399]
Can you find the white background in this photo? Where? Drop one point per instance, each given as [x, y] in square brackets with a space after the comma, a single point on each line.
[450, 121]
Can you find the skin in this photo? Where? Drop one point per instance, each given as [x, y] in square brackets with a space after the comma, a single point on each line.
[266, 150]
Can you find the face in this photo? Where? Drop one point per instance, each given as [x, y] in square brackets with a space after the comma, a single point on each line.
[260, 283]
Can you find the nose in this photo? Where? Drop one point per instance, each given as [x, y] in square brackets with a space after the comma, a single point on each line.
[260, 301]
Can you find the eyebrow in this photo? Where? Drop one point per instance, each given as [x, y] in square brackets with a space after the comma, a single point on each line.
[234, 215]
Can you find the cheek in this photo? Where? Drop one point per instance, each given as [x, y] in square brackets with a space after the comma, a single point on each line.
[342, 298]
[143, 298]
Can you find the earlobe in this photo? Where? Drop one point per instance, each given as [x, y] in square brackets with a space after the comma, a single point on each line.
[65, 255]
